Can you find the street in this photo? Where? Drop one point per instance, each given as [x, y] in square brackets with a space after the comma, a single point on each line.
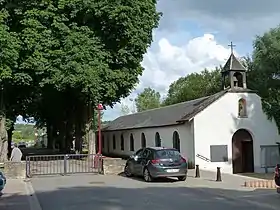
[120, 193]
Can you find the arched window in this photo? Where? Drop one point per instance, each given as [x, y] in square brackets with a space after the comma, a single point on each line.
[176, 140]
[143, 140]
[238, 79]
[131, 142]
[242, 108]
[122, 142]
[157, 140]
[114, 141]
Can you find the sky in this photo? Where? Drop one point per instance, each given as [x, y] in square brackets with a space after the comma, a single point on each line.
[195, 34]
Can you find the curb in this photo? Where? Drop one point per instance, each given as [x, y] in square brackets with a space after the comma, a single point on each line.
[32, 198]
[267, 184]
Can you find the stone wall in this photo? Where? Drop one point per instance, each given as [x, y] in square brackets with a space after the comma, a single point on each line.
[15, 170]
[113, 166]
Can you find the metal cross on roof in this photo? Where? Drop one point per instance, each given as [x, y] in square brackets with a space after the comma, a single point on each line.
[231, 45]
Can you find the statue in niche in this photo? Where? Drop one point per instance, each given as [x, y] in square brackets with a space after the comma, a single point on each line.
[242, 111]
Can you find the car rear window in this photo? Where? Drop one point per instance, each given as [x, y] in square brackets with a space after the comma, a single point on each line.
[167, 153]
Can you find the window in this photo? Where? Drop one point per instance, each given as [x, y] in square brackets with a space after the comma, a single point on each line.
[269, 155]
[238, 79]
[114, 141]
[176, 141]
[146, 153]
[143, 140]
[122, 142]
[131, 142]
[242, 108]
[167, 154]
[157, 140]
[219, 153]
[139, 152]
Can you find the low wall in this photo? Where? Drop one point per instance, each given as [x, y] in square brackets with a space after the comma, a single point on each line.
[270, 184]
[15, 170]
[113, 166]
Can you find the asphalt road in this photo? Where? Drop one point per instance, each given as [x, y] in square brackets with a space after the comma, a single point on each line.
[89, 192]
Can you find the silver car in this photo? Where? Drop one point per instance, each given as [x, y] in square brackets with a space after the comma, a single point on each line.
[155, 162]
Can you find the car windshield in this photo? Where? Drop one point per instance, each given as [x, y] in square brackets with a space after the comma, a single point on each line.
[167, 153]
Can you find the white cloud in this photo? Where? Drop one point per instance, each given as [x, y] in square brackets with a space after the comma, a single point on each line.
[169, 62]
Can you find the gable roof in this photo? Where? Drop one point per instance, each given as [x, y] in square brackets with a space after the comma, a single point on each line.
[164, 116]
[233, 64]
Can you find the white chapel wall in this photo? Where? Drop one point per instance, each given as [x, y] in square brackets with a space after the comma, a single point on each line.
[217, 124]
[166, 134]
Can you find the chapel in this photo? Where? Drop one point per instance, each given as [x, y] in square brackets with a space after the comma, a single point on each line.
[228, 129]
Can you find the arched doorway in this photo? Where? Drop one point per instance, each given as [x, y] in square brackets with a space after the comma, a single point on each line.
[157, 140]
[176, 140]
[143, 140]
[242, 152]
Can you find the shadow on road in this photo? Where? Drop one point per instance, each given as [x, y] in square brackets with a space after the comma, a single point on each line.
[158, 180]
[102, 195]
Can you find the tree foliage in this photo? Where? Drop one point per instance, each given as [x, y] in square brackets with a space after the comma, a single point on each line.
[59, 58]
[125, 110]
[195, 85]
[266, 71]
[148, 99]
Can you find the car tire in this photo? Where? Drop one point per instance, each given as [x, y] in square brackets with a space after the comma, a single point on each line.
[182, 178]
[147, 176]
[127, 171]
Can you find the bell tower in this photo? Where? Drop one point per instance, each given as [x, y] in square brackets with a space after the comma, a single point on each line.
[234, 72]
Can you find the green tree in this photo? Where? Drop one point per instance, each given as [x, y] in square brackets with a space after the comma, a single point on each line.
[9, 55]
[78, 53]
[266, 72]
[195, 85]
[125, 109]
[148, 99]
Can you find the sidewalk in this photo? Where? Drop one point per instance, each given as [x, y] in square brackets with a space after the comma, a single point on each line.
[15, 196]
[229, 181]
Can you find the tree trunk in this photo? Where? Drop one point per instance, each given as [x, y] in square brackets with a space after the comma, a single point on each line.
[3, 140]
[10, 138]
[54, 136]
[90, 131]
[69, 135]
[78, 138]
[61, 137]
[50, 136]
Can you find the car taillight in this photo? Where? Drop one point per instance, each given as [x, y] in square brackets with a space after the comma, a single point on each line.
[183, 160]
[155, 161]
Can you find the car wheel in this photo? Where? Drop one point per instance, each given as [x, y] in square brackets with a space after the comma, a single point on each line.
[147, 175]
[182, 178]
[127, 171]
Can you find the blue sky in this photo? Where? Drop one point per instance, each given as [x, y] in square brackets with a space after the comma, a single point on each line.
[194, 35]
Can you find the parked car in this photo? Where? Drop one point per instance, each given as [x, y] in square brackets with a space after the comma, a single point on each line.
[277, 177]
[21, 145]
[155, 162]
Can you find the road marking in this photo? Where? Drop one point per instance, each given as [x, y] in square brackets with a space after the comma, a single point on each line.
[32, 198]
